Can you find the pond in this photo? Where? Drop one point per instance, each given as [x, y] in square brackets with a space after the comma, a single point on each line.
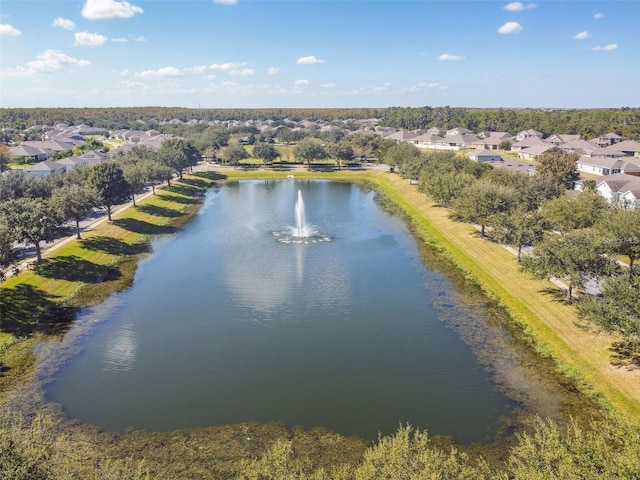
[237, 319]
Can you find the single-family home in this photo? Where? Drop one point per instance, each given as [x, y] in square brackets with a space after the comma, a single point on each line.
[45, 168]
[608, 165]
[620, 187]
[458, 131]
[520, 136]
[484, 155]
[532, 153]
[578, 145]
[527, 143]
[36, 154]
[607, 139]
[558, 139]
[401, 136]
[92, 157]
[630, 148]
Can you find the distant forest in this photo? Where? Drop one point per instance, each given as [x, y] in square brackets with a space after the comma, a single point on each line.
[588, 123]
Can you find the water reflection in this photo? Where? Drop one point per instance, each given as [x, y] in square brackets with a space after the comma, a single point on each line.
[120, 351]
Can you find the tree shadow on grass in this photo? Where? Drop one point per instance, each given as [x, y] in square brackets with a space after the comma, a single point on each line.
[197, 182]
[114, 246]
[211, 175]
[145, 228]
[76, 269]
[159, 211]
[27, 309]
[556, 294]
[184, 196]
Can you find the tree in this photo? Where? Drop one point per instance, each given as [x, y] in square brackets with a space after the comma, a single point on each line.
[74, 201]
[5, 158]
[31, 220]
[342, 151]
[480, 201]
[8, 255]
[234, 153]
[108, 180]
[444, 187]
[617, 310]
[178, 154]
[18, 184]
[570, 212]
[518, 227]
[267, 152]
[562, 166]
[407, 158]
[576, 258]
[620, 232]
[136, 176]
[156, 172]
[309, 149]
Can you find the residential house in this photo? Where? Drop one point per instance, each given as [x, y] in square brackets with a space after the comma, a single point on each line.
[45, 168]
[92, 157]
[607, 139]
[620, 187]
[520, 136]
[484, 155]
[558, 139]
[401, 136]
[527, 143]
[630, 148]
[578, 145]
[608, 165]
[457, 131]
[532, 153]
[437, 131]
[34, 153]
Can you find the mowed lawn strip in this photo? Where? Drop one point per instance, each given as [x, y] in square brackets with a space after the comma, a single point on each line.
[551, 322]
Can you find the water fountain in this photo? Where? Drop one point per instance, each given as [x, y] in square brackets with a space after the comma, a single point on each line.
[301, 232]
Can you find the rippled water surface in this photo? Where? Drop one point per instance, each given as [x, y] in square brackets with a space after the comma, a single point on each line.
[225, 323]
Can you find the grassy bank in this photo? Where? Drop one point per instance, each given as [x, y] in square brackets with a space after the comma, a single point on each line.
[41, 301]
[536, 305]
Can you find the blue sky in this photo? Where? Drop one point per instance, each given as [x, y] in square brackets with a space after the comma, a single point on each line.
[334, 54]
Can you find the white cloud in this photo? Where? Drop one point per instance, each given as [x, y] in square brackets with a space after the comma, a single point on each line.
[510, 28]
[518, 6]
[49, 61]
[6, 29]
[598, 16]
[605, 48]
[273, 70]
[328, 85]
[301, 83]
[582, 36]
[99, 9]
[198, 69]
[90, 39]
[163, 72]
[445, 57]
[63, 23]
[140, 39]
[226, 2]
[124, 72]
[310, 60]
[120, 40]
[225, 67]
[245, 72]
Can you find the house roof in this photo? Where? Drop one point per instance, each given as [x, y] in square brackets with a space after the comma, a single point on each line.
[530, 142]
[626, 146]
[614, 163]
[619, 182]
[537, 149]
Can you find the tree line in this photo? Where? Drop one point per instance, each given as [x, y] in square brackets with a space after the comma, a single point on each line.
[33, 209]
[587, 122]
[576, 237]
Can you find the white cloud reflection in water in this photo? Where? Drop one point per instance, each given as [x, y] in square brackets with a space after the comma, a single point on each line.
[120, 350]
